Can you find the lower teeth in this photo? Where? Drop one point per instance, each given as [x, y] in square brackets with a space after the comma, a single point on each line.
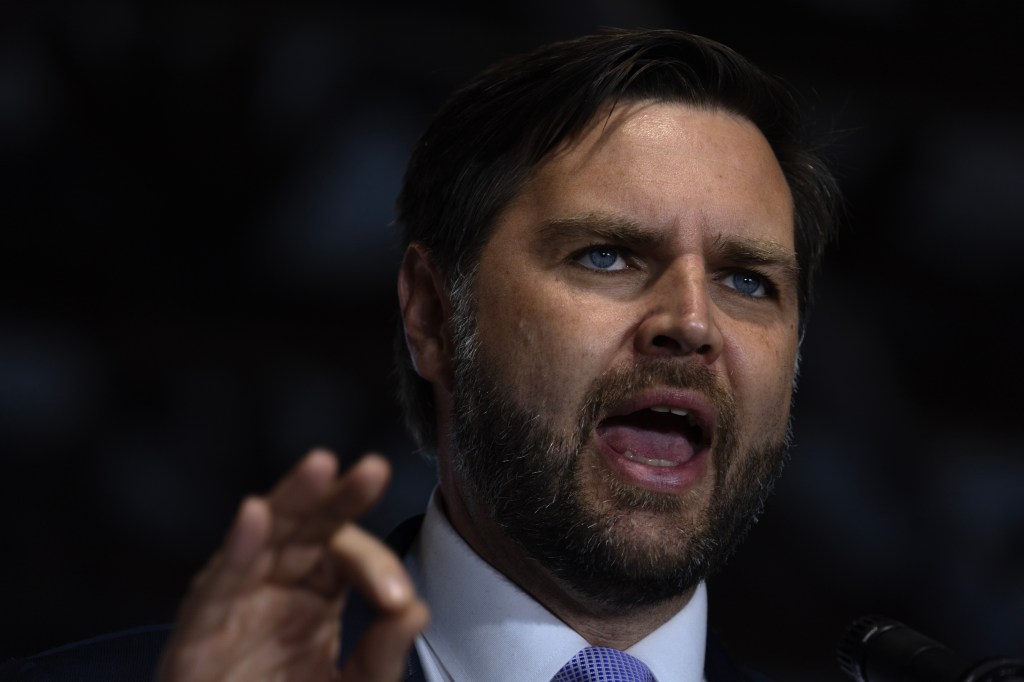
[644, 460]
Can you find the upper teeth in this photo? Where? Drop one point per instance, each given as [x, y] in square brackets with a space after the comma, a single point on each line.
[673, 410]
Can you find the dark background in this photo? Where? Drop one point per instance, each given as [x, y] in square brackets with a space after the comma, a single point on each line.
[196, 276]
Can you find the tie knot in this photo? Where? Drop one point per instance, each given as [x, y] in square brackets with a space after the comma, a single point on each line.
[600, 664]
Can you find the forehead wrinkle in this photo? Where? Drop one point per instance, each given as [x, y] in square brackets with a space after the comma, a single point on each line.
[632, 118]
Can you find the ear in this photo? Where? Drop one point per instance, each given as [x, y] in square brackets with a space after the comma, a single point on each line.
[426, 312]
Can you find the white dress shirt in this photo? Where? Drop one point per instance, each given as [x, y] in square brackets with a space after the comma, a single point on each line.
[484, 628]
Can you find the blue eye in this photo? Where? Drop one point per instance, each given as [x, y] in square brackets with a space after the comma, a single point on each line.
[601, 258]
[747, 283]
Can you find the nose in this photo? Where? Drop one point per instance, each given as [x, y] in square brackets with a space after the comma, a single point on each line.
[680, 317]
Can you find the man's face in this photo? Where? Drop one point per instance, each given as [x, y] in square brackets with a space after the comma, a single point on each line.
[625, 360]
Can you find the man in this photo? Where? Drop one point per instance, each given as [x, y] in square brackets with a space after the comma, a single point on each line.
[609, 246]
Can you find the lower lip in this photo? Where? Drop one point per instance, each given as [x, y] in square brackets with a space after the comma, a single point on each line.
[674, 480]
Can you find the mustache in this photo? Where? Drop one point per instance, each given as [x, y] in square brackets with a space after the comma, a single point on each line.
[622, 383]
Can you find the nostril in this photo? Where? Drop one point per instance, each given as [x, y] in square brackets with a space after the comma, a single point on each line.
[664, 341]
[661, 341]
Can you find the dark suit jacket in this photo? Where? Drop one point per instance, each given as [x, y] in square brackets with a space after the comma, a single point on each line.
[132, 656]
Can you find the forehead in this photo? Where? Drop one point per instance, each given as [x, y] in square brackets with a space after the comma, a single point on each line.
[670, 166]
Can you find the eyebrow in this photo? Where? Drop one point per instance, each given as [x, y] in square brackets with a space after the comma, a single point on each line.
[603, 228]
[749, 251]
[740, 251]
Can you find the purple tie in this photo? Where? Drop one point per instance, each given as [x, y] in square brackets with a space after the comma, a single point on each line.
[600, 664]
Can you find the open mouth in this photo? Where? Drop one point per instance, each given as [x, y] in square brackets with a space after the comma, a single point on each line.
[658, 435]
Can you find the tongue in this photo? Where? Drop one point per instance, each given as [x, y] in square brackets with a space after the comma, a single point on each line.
[666, 444]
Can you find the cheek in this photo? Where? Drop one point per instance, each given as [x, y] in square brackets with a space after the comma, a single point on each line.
[761, 372]
[547, 348]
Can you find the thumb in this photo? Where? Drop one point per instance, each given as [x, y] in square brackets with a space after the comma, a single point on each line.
[380, 656]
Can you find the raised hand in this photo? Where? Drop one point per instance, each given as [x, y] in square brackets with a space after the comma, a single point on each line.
[268, 604]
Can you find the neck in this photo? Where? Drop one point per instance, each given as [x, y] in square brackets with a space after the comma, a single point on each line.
[599, 623]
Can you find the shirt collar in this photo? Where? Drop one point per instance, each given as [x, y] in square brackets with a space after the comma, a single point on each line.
[484, 627]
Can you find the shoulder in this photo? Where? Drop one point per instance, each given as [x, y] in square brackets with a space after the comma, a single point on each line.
[129, 656]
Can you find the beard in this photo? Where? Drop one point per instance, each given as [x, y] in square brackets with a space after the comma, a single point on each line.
[630, 547]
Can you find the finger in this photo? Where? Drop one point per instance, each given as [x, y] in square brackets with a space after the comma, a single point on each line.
[248, 536]
[305, 485]
[368, 564]
[380, 656]
[360, 487]
[238, 563]
[241, 563]
[350, 497]
[297, 544]
[300, 542]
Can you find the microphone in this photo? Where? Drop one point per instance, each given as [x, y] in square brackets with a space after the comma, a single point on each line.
[879, 649]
